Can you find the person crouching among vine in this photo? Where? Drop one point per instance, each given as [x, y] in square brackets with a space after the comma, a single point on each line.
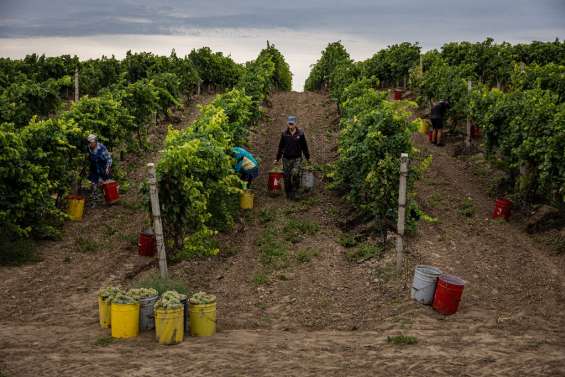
[245, 165]
[100, 164]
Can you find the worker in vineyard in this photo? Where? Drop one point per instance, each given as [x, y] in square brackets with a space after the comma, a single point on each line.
[292, 147]
[100, 164]
[245, 165]
[437, 118]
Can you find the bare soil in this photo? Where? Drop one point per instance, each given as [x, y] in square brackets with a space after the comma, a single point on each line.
[315, 313]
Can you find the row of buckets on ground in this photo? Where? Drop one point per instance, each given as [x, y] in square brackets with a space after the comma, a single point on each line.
[171, 315]
[275, 185]
[76, 203]
[432, 287]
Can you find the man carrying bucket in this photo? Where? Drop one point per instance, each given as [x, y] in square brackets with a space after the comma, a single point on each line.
[100, 164]
[245, 165]
[292, 146]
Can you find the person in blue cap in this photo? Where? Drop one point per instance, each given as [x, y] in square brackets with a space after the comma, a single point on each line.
[100, 164]
[245, 165]
[292, 146]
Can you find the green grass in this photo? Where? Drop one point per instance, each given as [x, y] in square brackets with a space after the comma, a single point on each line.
[292, 209]
[556, 242]
[85, 245]
[266, 216]
[401, 340]
[435, 200]
[124, 186]
[260, 279]
[364, 252]
[467, 208]
[273, 250]
[310, 201]
[248, 216]
[130, 238]
[132, 204]
[332, 212]
[18, 252]
[306, 255]
[109, 231]
[162, 285]
[386, 273]
[296, 230]
[229, 252]
[104, 341]
[348, 240]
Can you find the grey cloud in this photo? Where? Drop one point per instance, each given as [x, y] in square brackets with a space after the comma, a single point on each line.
[431, 21]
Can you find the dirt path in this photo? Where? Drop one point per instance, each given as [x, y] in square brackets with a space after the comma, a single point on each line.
[310, 311]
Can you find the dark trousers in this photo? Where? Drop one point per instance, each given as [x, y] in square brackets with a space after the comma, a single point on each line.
[291, 169]
[249, 175]
[437, 124]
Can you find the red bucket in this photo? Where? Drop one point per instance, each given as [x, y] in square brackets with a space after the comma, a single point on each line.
[275, 181]
[448, 294]
[502, 209]
[111, 191]
[475, 131]
[146, 245]
[397, 94]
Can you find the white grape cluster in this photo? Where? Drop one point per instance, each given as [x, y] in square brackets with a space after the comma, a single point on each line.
[108, 293]
[201, 298]
[123, 298]
[139, 293]
[170, 300]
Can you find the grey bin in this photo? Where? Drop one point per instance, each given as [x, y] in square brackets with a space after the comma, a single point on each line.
[147, 313]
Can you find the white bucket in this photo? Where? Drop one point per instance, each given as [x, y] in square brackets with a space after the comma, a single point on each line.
[424, 284]
[307, 180]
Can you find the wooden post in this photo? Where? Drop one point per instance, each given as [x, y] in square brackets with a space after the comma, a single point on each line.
[76, 84]
[401, 211]
[421, 65]
[468, 138]
[157, 225]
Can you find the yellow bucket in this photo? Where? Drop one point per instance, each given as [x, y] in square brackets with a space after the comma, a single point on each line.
[423, 127]
[246, 199]
[169, 325]
[125, 320]
[104, 312]
[76, 207]
[202, 319]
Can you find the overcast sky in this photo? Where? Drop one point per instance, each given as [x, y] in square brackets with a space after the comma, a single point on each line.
[91, 28]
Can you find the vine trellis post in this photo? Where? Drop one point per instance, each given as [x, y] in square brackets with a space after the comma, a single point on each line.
[76, 85]
[468, 138]
[157, 225]
[401, 211]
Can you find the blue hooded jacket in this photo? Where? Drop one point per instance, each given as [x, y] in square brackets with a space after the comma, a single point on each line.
[244, 160]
